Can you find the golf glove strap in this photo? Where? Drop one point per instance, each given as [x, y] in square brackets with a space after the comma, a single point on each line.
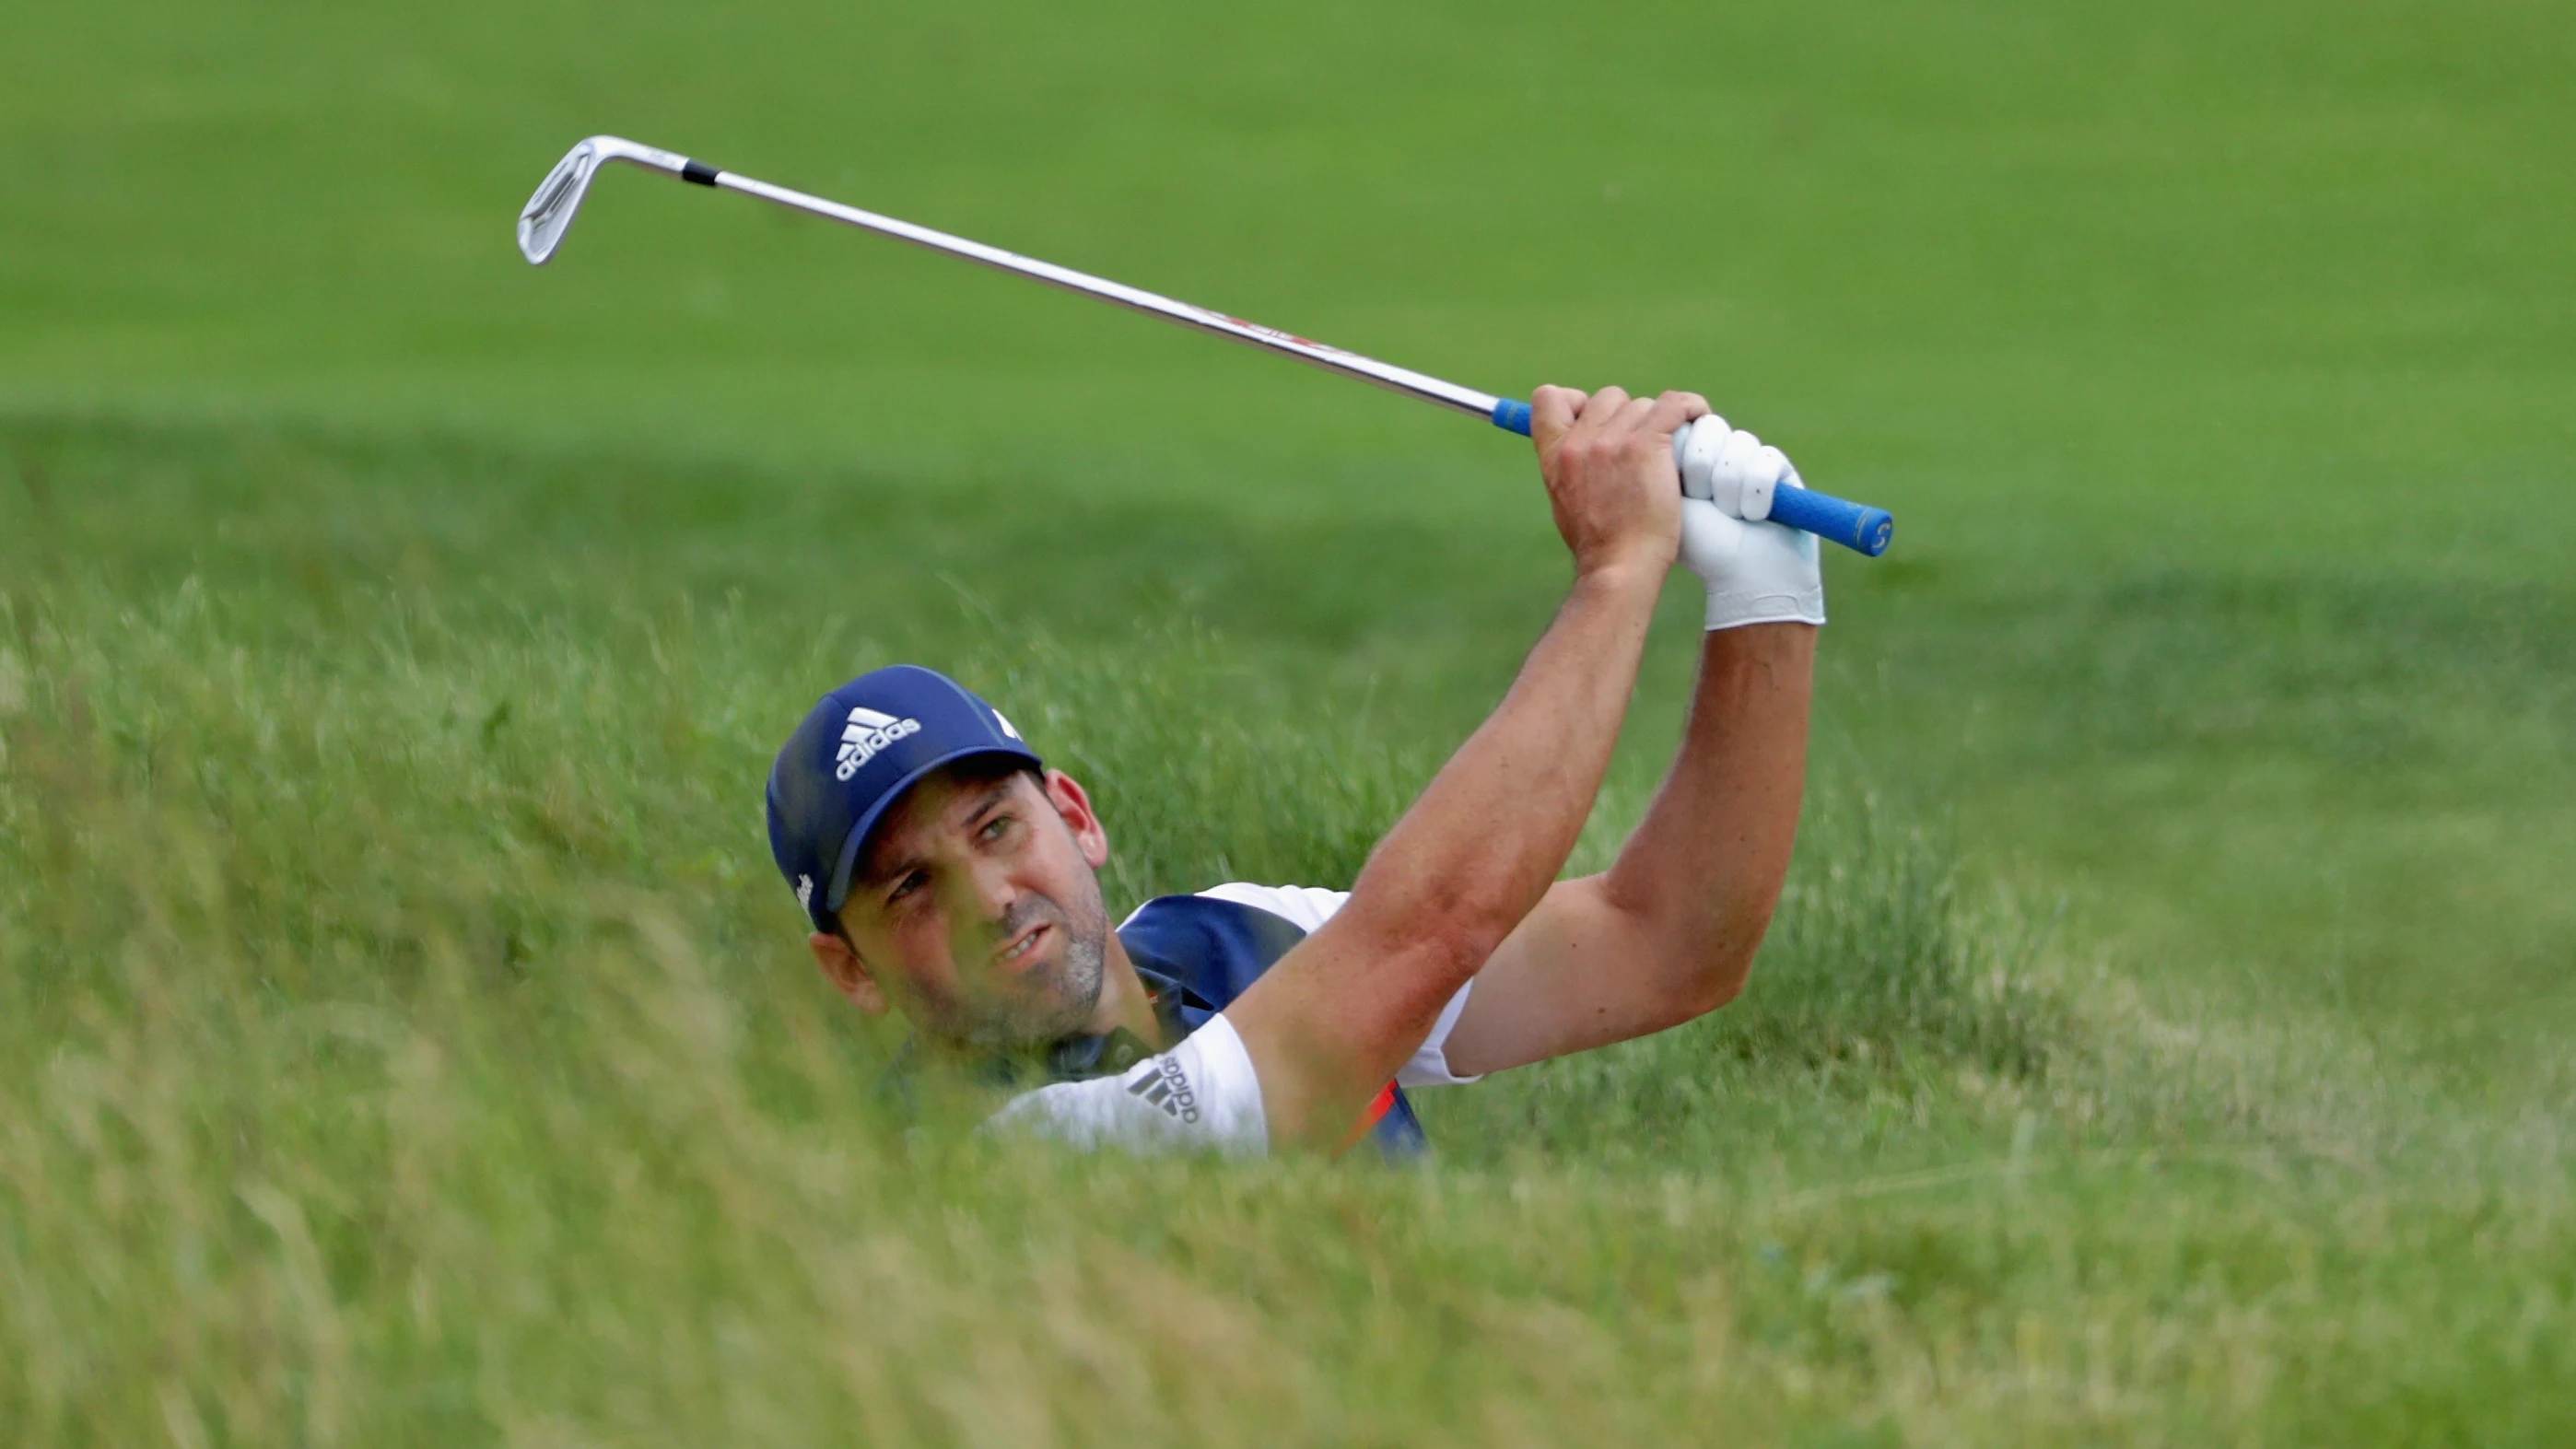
[1757, 573]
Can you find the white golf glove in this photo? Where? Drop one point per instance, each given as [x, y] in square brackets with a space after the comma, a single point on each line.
[1757, 573]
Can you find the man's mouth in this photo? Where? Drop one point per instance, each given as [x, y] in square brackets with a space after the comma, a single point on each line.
[1023, 947]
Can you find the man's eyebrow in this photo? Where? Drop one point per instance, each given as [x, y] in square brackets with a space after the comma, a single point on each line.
[901, 866]
[896, 869]
[1001, 790]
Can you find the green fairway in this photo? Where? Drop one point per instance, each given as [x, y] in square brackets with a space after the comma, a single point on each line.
[403, 1037]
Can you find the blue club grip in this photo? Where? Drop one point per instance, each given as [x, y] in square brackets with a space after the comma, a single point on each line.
[1856, 526]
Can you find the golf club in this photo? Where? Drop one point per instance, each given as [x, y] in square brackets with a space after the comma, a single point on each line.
[549, 214]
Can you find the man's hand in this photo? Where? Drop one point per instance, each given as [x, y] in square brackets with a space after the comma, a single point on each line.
[1608, 461]
[1755, 572]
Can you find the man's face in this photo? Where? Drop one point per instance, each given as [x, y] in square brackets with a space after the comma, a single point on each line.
[975, 909]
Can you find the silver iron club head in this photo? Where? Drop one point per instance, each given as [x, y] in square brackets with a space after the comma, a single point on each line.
[549, 213]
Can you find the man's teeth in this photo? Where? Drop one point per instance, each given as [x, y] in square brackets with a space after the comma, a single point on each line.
[1022, 949]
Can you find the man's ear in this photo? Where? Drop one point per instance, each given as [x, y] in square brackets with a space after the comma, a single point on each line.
[1074, 808]
[847, 973]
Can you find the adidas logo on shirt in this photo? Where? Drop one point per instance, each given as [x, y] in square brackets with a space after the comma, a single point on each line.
[1163, 1084]
[865, 734]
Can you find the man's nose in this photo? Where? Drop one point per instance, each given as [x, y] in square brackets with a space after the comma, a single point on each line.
[992, 891]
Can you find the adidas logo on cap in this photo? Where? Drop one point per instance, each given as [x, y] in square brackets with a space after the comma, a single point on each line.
[865, 734]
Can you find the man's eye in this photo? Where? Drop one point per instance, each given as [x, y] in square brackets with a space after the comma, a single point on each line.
[994, 827]
[907, 886]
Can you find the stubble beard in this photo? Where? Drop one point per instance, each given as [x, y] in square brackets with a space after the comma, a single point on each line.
[1057, 1000]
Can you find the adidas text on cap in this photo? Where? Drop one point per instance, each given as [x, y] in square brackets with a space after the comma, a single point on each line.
[856, 752]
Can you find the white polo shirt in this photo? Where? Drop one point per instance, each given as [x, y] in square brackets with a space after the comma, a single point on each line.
[1203, 1095]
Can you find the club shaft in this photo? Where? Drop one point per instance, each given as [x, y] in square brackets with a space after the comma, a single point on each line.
[1856, 526]
[1269, 339]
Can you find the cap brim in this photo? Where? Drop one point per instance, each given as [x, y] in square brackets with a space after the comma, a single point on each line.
[837, 891]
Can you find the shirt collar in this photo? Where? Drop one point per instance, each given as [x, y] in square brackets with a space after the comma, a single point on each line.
[1067, 1059]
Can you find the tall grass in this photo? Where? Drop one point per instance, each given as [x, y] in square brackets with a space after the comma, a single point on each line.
[403, 1041]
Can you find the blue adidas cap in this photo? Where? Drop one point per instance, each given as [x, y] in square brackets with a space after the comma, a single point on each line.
[859, 749]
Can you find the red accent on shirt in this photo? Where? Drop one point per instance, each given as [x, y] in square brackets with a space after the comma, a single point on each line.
[1377, 1109]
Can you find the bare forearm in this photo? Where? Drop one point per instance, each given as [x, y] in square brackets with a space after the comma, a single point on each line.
[1703, 870]
[1333, 1020]
[1336, 1018]
[1495, 826]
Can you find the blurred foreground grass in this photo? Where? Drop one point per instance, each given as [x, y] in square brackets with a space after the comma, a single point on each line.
[402, 1040]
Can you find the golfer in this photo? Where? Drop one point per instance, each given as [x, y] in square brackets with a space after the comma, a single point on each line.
[950, 876]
